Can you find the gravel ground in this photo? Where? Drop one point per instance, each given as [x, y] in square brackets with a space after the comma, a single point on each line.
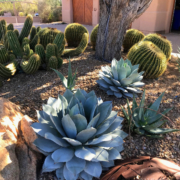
[31, 91]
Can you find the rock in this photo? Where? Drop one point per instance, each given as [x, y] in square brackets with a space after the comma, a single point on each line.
[9, 166]
[19, 158]
[174, 57]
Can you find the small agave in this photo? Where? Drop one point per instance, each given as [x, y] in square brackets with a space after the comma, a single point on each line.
[146, 121]
[121, 80]
[71, 81]
[79, 134]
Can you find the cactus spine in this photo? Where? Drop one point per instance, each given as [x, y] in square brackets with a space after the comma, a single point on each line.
[161, 42]
[53, 63]
[14, 43]
[10, 27]
[33, 33]
[132, 37]
[149, 57]
[94, 36]
[34, 42]
[31, 66]
[74, 33]
[39, 49]
[26, 28]
[50, 51]
[80, 49]
[3, 54]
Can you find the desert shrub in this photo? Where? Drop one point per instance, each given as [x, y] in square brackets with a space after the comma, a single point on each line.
[57, 14]
[21, 14]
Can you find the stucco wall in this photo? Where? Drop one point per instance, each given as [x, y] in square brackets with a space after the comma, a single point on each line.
[157, 18]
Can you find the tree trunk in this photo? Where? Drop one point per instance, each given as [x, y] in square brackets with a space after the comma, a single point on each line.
[116, 17]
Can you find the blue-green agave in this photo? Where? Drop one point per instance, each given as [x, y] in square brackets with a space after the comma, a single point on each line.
[79, 134]
[146, 120]
[121, 79]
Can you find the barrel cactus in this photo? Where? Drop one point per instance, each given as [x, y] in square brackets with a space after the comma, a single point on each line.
[10, 27]
[33, 33]
[32, 65]
[39, 49]
[94, 36]
[150, 58]
[3, 29]
[53, 63]
[79, 134]
[3, 54]
[121, 79]
[132, 37]
[80, 49]
[16, 32]
[50, 51]
[38, 29]
[60, 42]
[34, 42]
[161, 42]
[74, 33]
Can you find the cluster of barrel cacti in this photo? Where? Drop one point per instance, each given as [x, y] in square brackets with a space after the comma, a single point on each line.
[151, 52]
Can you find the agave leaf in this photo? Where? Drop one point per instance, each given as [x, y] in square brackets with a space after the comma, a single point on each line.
[86, 134]
[161, 130]
[83, 92]
[93, 168]
[59, 173]
[134, 71]
[118, 94]
[80, 122]
[135, 111]
[43, 152]
[76, 165]
[68, 174]
[126, 81]
[47, 110]
[122, 89]
[57, 123]
[113, 88]
[114, 69]
[119, 148]
[114, 154]
[120, 63]
[80, 96]
[69, 126]
[122, 73]
[139, 78]
[128, 95]
[137, 84]
[102, 83]
[73, 102]
[64, 104]
[154, 125]
[62, 155]
[101, 74]
[69, 73]
[45, 145]
[52, 102]
[85, 176]
[68, 95]
[127, 116]
[117, 83]
[74, 77]
[107, 80]
[107, 164]
[154, 106]
[85, 153]
[71, 87]
[90, 106]
[105, 125]
[128, 70]
[135, 67]
[74, 110]
[73, 142]
[41, 129]
[109, 92]
[154, 136]
[102, 138]
[49, 165]
[141, 106]
[56, 139]
[139, 131]
[63, 79]
[120, 133]
[94, 121]
[81, 109]
[101, 154]
[104, 109]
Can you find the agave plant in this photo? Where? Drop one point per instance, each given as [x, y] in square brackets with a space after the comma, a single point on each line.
[71, 81]
[146, 121]
[121, 79]
[79, 134]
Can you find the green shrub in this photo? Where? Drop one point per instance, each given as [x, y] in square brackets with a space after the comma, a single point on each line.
[161, 42]
[93, 37]
[74, 33]
[150, 58]
[132, 37]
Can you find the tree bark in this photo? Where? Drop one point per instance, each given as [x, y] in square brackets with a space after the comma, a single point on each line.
[116, 17]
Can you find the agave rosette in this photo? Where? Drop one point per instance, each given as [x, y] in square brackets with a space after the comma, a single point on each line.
[79, 134]
[121, 79]
[146, 120]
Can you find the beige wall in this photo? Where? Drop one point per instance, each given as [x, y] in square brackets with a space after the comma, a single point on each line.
[67, 11]
[157, 18]
[17, 19]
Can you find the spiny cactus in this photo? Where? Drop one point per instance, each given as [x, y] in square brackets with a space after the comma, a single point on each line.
[132, 37]
[33, 33]
[16, 32]
[38, 29]
[94, 36]
[47, 35]
[80, 49]
[53, 63]
[60, 62]
[74, 33]
[3, 29]
[14, 43]
[3, 54]
[26, 28]
[8, 70]
[61, 49]
[39, 49]
[12, 57]
[59, 40]
[150, 58]
[34, 42]
[161, 42]
[26, 49]
[25, 41]
[50, 51]
[10, 27]
[32, 65]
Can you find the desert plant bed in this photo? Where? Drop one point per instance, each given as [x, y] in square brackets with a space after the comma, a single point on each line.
[31, 91]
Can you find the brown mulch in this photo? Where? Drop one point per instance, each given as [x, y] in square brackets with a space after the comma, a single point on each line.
[31, 91]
